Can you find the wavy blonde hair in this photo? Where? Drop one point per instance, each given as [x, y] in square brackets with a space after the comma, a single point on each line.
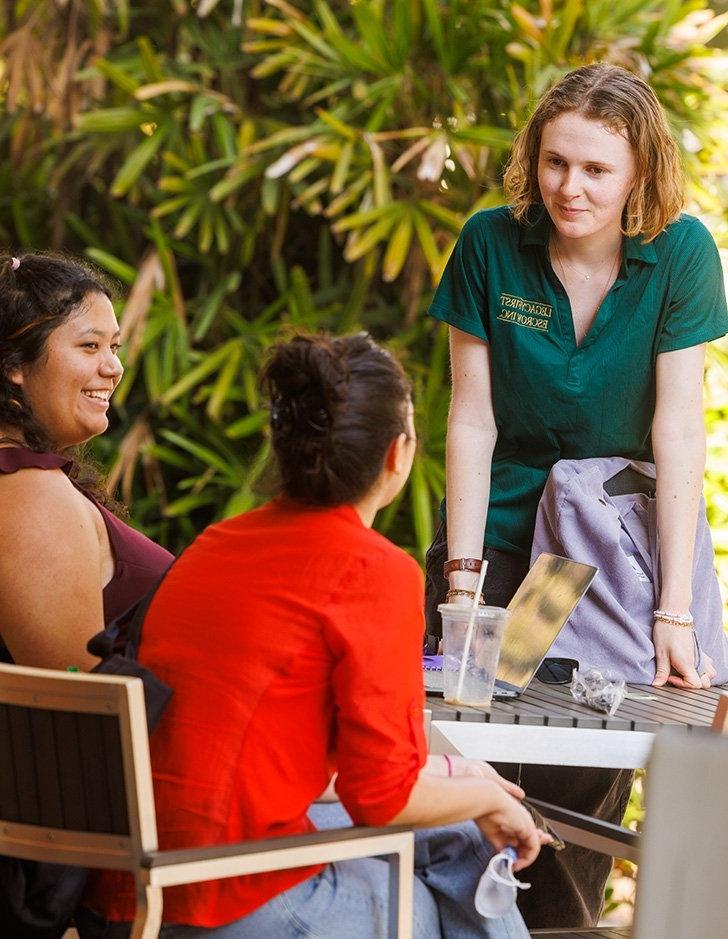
[623, 102]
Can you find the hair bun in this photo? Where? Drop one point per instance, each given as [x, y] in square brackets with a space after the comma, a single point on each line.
[336, 405]
[308, 381]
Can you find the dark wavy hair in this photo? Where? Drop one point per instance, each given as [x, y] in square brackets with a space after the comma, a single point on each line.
[336, 405]
[38, 292]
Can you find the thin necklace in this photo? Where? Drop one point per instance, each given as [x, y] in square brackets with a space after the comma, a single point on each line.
[562, 262]
[605, 290]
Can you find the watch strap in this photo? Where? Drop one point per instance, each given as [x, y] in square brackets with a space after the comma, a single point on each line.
[462, 564]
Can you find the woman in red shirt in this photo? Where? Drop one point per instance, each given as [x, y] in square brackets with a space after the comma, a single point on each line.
[292, 636]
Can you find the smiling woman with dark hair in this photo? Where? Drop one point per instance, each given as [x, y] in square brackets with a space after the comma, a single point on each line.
[69, 565]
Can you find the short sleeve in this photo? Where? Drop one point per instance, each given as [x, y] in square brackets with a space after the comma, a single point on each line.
[696, 311]
[461, 297]
[375, 632]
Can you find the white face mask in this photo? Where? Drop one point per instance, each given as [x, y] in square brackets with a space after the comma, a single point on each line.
[497, 889]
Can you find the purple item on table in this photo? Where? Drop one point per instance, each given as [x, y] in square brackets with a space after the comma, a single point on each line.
[432, 662]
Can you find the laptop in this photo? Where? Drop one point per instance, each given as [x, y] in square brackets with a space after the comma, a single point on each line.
[539, 611]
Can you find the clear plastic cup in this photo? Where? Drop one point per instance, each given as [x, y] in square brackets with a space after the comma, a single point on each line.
[482, 658]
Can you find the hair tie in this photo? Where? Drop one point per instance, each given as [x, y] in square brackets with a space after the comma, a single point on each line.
[302, 414]
[15, 263]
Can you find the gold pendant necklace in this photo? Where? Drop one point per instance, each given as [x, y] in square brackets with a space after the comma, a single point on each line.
[605, 288]
[563, 264]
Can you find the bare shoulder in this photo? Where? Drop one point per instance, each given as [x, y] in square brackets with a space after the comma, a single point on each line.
[50, 570]
[43, 501]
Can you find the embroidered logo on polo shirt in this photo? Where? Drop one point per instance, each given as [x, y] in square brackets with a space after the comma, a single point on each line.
[529, 313]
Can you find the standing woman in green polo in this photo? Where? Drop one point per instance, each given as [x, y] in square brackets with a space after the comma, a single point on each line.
[578, 321]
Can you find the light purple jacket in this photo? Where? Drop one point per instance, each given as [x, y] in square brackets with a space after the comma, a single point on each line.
[612, 625]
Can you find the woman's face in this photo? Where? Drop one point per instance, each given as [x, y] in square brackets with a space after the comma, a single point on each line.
[69, 387]
[585, 174]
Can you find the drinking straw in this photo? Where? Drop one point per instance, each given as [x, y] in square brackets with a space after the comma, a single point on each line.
[469, 630]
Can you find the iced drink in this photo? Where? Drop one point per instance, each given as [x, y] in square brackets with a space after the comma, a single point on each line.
[482, 657]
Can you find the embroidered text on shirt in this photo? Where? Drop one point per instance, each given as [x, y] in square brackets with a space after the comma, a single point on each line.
[528, 313]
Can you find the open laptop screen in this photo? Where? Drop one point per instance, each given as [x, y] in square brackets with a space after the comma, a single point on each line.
[539, 609]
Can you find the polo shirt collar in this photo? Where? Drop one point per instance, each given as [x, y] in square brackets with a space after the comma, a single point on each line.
[636, 250]
[538, 231]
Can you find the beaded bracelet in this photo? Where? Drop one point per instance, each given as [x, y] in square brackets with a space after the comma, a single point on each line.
[674, 619]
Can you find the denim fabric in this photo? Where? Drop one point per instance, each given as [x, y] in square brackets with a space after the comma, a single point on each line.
[449, 862]
[348, 899]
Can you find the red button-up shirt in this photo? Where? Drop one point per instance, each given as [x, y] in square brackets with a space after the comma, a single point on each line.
[292, 638]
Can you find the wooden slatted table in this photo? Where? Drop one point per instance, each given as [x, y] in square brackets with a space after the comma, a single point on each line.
[601, 933]
[546, 725]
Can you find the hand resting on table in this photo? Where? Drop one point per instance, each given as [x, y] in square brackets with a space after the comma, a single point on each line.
[675, 658]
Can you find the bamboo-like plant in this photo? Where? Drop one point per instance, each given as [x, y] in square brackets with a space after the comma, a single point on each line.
[246, 170]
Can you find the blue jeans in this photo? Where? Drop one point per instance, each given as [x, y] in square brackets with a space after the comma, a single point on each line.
[348, 899]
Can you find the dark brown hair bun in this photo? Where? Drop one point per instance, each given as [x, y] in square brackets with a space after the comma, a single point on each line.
[336, 405]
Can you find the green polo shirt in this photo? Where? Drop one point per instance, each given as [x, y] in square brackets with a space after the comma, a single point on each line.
[552, 399]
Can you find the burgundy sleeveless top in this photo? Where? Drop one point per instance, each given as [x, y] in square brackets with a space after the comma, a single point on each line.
[138, 561]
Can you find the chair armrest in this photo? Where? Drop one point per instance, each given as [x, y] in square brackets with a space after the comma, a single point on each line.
[589, 832]
[165, 868]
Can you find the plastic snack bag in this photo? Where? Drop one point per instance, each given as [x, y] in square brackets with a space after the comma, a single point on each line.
[598, 688]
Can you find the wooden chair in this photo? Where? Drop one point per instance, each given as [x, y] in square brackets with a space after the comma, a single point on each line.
[683, 849]
[76, 788]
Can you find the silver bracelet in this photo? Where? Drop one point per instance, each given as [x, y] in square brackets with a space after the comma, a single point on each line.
[674, 619]
[682, 617]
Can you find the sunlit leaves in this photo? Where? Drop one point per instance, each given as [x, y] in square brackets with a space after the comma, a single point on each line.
[308, 168]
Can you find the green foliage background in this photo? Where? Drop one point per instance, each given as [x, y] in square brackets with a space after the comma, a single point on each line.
[295, 167]
[244, 169]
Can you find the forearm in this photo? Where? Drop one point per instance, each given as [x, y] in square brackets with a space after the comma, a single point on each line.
[678, 443]
[680, 462]
[329, 793]
[471, 437]
[444, 766]
[485, 799]
[468, 460]
[438, 800]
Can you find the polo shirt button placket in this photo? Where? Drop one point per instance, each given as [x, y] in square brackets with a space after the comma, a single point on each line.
[574, 370]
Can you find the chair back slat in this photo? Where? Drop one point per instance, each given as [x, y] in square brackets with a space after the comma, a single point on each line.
[9, 807]
[49, 797]
[115, 777]
[61, 770]
[97, 784]
[22, 765]
[69, 771]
